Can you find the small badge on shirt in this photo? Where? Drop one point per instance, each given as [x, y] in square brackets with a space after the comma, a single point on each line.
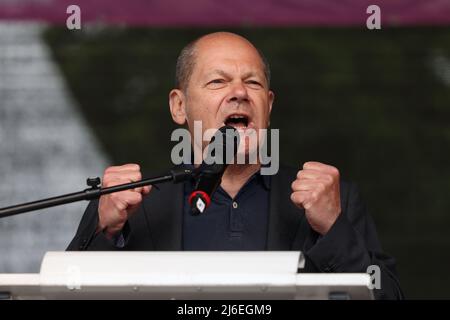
[200, 205]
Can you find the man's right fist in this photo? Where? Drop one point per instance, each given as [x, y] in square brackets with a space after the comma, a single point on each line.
[114, 209]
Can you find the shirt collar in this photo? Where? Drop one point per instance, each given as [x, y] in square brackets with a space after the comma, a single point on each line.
[263, 179]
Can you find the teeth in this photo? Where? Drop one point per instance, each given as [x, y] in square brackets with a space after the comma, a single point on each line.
[238, 121]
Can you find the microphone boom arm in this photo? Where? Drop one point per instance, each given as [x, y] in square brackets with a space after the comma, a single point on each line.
[94, 192]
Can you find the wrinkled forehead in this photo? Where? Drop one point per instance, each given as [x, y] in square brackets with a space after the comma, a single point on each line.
[227, 55]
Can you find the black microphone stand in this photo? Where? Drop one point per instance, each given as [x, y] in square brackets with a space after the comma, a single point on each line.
[94, 192]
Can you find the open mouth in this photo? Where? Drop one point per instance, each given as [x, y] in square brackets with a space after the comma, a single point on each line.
[237, 121]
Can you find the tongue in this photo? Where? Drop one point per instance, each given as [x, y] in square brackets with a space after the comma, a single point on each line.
[236, 124]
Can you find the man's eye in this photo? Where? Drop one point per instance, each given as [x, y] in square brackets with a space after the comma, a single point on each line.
[254, 82]
[216, 81]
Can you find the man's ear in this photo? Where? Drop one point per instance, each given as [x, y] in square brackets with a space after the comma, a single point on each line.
[177, 103]
[271, 99]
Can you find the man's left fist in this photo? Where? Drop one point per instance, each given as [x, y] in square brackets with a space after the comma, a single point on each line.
[316, 189]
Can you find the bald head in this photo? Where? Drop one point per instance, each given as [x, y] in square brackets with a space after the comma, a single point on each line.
[214, 41]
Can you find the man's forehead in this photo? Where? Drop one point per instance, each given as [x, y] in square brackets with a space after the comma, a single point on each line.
[221, 58]
[222, 53]
[225, 72]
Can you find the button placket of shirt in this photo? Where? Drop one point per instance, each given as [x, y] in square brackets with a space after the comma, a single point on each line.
[237, 219]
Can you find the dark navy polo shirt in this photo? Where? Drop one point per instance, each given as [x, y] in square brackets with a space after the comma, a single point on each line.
[229, 224]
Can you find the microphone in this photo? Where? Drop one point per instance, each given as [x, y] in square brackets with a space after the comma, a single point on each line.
[209, 174]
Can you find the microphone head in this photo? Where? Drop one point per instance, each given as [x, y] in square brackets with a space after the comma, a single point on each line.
[226, 143]
[229, 134]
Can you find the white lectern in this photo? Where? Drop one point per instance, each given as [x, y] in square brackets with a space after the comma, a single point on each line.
[181, 275]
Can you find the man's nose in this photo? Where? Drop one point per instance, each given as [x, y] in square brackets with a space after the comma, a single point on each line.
[238, 93]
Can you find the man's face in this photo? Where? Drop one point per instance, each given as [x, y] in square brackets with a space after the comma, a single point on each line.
[228, 87]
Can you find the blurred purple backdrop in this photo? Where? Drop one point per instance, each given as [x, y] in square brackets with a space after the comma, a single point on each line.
[232, 12]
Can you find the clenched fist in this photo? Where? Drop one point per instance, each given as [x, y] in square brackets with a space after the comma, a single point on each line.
[316, 189]
[115, 208]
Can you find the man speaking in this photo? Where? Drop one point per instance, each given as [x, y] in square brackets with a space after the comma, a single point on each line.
[222, 79]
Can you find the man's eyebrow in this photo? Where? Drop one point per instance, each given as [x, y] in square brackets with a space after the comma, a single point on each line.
[219, 72]
[224, 74]
[251, 74]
